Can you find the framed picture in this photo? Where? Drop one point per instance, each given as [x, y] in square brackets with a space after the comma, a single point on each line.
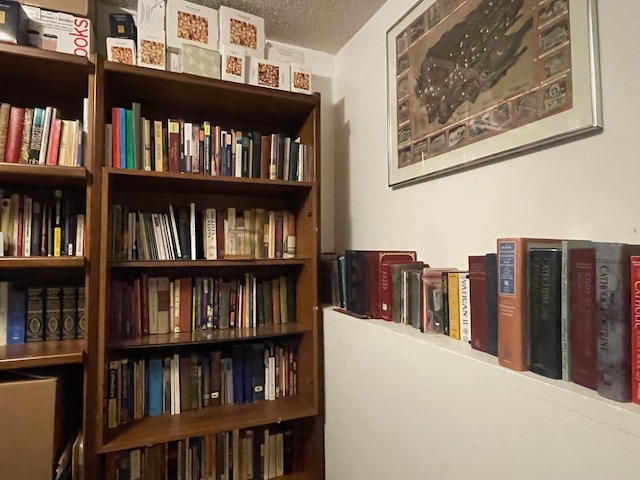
[470, 81]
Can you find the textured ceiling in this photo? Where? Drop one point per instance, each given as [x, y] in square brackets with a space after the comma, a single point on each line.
[323, 25]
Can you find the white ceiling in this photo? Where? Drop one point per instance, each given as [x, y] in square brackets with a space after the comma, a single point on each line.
[323, 25]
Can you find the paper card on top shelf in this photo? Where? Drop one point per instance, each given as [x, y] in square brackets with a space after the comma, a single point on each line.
[121, 50]
[266, 73]
[200, 61]
[191, 24]
[301, 78]
[242, 30]
[280, 53]
[151, 49]
[151, 15]
[174, 60]
[233, 63]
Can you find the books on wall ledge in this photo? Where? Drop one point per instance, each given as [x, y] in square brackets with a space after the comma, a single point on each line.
[40, 225]
[174, 145]
[158, 305]
[37, 313]
[563, 309]
[38, 136]
[210, 234]
[178, 383]
[264, 452]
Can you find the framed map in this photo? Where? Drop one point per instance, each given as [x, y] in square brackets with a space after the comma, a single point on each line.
[470, 81]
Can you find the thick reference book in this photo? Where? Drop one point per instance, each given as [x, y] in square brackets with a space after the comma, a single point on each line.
[544, 283]
[613, 267]
[478, 302]
[374, 276]
[491, 275]
[635, 329]
[512, 299]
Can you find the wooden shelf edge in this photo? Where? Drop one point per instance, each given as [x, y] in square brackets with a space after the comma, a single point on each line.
[42, 262]
[166, 428]
[26, 51]
[206, 263]
[41, 354]
[54, 171]
[210, 336]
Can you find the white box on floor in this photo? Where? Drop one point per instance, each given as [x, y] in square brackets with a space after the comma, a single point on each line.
[191, 24]
[266, 73]
[242, 30]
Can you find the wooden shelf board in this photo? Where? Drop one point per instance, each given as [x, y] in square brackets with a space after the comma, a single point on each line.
[41, 354]
[153, 430]
[16, 173]
[27, 54]
[243, 105]
[42, 262]
[188, 182]
[209, 336]
[206, 263]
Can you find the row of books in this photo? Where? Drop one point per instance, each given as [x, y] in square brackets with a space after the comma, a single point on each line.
[41, 313]
[249, 372]
[563, 309]
[258, 453]
[210, 234]
[37, 136]
[158, 305]
[173, 145]
[37, 226]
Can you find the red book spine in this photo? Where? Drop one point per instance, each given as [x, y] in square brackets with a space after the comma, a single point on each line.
[14, 135]
[54, 142]
[115, 137]
[385, 290]
[374, 278]
[583, 317]
[185, 304]
[478, 300]
[136, 313]
[144, 304]
[635, 329]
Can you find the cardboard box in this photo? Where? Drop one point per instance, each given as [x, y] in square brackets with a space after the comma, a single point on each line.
[266, 73]
[32, 426]
[13, 23]
[242, 29]
[233, 64]
[191, 24]
[151, 49]
[301, 78]
[74, 7]
[60, 32]
[121, 50]
[279, 53]
[200, 61]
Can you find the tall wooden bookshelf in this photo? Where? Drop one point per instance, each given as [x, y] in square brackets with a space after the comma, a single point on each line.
[50, 78]
[165, 95]
[31, 78]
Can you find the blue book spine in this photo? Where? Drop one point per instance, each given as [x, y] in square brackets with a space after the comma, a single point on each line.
[247, 379]
[123, 137]
[155, 387]
[238, 374]
[16, 315]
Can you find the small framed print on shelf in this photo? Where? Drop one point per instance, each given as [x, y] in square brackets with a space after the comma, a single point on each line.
[471, 81]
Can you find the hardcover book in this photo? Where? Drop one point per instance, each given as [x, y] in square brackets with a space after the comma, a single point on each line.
[465, 307]
[635, 329]
[53, 313]
[512, 299]
[432, 299]
[35, 314]
[544, 283]
[478, 301]
[491, 275]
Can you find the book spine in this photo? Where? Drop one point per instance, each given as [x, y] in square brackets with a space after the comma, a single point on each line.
[544, 285]
[465, 308]
[158, 149]
[635, 329]
[49, 114]
[454, 304]
[26, 136]
[123, 137]
[81, 327]
[14, 135]
[69, 312]
[35, 314]
[210, 234]
[53, 313]
[5, 110]
[491, 275]
[36, 135]
[136, 130]
[478, 297]
[57, 224]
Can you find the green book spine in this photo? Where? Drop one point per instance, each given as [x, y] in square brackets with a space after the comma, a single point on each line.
[130, 140]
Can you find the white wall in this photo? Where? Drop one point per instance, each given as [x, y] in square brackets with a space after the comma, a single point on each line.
[586, 188]
[380, 390]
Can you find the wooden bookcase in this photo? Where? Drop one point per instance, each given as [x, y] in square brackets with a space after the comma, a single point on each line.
[165, 95]
[49, 78]
[31, 78]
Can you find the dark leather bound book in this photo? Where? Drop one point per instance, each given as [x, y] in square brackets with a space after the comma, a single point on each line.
[491, 282]
[374, 284]
[53, 314]
[257, 371]
[35, 314]
[583, 317]
[237, 358]
[356, 281]
[215, 378]
[478, 301]
[445, 302]
[342, 280]
[291, 299]
[613, 268]
[185, 382]
[247, 372]
[69, 311]
[544, 280]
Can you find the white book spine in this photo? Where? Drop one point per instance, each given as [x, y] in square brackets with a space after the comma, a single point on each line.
[46, 127]
[174, 231]
[192, 229]
[465, 308]
[210, 234]
[80, 235]
[4, 301]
